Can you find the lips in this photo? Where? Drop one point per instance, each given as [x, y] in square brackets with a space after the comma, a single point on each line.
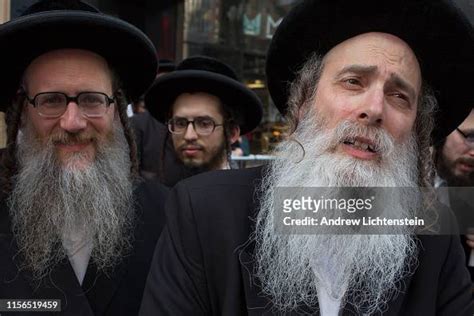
[73, 146]
[191, 150]
[360, 148]
[361, 143]
[467, 165]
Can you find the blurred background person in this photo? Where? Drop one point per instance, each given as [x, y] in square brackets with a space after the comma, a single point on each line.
[454, 159]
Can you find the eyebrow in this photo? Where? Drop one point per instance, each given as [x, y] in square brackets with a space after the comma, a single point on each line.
[359, 69]
[195, 117]
[400, 83]
[395, 79]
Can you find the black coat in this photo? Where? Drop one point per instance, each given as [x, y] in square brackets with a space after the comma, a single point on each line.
[202, 264]
[119, 293]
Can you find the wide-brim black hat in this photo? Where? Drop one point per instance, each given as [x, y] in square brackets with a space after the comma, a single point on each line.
[166, 65]
[437, 31]
[127, 50]
[205, 74]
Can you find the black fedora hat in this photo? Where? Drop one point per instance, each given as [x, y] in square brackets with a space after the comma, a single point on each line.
[75, 25]
[205, 74]
[438, 32]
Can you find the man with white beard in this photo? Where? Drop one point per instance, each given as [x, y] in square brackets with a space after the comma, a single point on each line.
[353, 79]
[78, 228]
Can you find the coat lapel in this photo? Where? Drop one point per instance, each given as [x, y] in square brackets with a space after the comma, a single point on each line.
[257, 303]
[101, 287]
[61, 283]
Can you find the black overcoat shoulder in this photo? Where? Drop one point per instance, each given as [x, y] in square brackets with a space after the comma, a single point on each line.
[203, 261]
[117, 293]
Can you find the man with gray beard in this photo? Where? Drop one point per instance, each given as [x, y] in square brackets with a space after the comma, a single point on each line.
[78, 227]
[353, 79]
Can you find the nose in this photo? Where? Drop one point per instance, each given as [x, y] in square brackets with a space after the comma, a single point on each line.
[372, 108]
[190, 134]
[471, 151]
[72, 120]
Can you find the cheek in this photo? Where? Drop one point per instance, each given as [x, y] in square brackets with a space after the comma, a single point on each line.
[452, 150]
[401, 126]
[217, 140]
[333, 108]
[105, 124]
[176, 139]
[42, 127]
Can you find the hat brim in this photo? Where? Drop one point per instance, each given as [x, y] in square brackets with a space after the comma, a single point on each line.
[441, 37]
[246, 104]
[129, 52]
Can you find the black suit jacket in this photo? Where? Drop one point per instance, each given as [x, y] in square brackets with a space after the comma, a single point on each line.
[118, 293]
[203, 263]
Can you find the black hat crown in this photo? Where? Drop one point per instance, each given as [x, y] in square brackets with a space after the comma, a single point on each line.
[204, 63]
[51, 5]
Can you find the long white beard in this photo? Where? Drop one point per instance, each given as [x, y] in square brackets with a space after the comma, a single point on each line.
[50, 201]
[361, 270]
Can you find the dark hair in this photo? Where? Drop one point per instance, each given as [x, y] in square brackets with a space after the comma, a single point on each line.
[13, 119]
[231, 121]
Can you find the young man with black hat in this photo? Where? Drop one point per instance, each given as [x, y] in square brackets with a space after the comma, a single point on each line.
[206, 109]
[76, 224]
[353, 80]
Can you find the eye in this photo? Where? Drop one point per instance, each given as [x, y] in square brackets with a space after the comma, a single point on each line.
[50, 100]
[180, 122]
[400, 96]
[400, 99]
[352, 83]
[204, 122]
[470, 138]
[92, 99]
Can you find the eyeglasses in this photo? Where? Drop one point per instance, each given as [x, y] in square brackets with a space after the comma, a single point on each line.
[202, 125]
[468, 138]
[54, 104]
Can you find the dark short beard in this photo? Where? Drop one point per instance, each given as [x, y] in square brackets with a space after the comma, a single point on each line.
[214, 163]
[446, 173]
[49, 200]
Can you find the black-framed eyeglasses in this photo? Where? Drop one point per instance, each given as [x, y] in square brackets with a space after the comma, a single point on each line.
[203, 125]
[468, 138]
[54, 104]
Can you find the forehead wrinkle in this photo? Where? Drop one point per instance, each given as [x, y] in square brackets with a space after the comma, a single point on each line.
[358, 69]
[392, 58]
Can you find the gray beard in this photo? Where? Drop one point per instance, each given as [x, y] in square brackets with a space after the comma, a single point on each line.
[50, 201]
[361, 270]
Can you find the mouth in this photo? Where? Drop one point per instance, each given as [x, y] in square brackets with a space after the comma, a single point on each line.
[360, 143]
[466, 166]
[191, 150]
[361, 148]
[73, 146]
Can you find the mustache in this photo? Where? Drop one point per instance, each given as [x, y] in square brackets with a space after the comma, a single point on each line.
[466, 160]
[190, 144]
[67, 138]
[379, 139]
